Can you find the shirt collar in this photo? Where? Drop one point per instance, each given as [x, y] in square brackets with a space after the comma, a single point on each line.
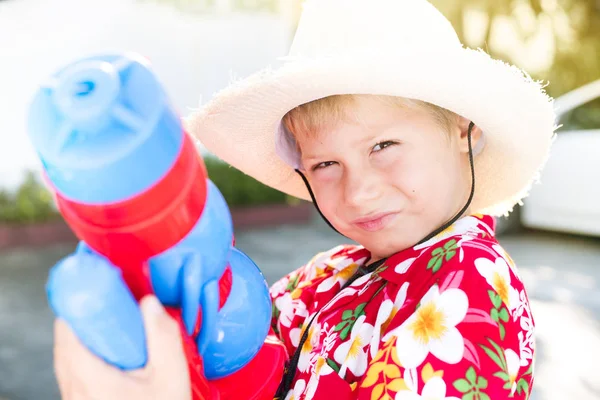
[466, 228]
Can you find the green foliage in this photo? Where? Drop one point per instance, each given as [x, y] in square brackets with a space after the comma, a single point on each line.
[584, 117]
[239, 189]
[29, 204]
[574, 33]
[33, 203]
[574, 26]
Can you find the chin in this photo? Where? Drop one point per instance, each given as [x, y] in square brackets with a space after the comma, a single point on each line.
[385, 250]
[389, 242]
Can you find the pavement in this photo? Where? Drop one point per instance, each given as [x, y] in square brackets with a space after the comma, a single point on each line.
[561, 273]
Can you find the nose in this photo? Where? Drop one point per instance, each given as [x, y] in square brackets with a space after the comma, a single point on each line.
[361, 186]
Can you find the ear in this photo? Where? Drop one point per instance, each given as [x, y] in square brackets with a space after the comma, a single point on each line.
[463, 140]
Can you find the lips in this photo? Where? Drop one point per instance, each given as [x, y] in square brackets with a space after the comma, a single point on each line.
[375, 222]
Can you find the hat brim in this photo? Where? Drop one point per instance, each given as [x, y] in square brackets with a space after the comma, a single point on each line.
[514, 112]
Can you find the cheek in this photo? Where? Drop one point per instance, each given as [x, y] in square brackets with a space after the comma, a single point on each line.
[327, 195]
[423, 179]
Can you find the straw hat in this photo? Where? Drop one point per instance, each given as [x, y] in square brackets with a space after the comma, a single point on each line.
[401, 48]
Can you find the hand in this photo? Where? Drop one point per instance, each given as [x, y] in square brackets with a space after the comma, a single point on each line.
[83, 376]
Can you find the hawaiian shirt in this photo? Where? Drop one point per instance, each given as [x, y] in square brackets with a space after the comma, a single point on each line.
[446, 319]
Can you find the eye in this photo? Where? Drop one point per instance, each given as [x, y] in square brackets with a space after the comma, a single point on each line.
[322, 165]
[382, 145]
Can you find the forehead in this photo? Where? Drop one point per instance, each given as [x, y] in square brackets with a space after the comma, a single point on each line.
[365, 118]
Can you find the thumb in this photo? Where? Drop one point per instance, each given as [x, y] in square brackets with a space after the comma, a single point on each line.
[163, 335]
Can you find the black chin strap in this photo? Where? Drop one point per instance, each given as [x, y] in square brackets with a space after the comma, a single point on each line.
[290, 372]
[314, 200]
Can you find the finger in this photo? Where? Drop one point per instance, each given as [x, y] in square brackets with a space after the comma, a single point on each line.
[84, 368]
[163, 334]
[61, 361]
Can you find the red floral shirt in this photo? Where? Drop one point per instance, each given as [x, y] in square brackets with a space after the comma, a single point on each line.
[447, 319]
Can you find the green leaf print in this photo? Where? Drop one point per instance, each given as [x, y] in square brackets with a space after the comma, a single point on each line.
[471, 387]
[495, 297]
[275, 311]
[450, 249]
[471, 375]
[497, 357]
[451, 245]
[349, 317]
[333, 365]
[360, 310]
[502, 331]
[494, 314]
[341, 326]
[437, 252]
[482, 382]
[529, 370]
[522, 385]
[440, 254]
[435, 264]
[503, 314]
[346, 331]
[462, 385]
[449, 255]
[379, 271]
[293, 283]
[499, 351]
[499, 312]
[502, 375]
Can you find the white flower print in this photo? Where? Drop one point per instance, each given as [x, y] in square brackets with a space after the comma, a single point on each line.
[321, 368]
[361, 281]
[497, 275]
[461, 250]
[289, 308]
[324, 261]
[307, 356]
[522, 305]
[513, 364]
[527, 335]
[500, 250]
[329, 341]
[402, 267]
[320, 349]
[434, 389]
[387, 312]
[297, 391]
[279, 287]
[367, 285]
[344, 269]
[432, 329]
[526, 344]
[465, 226]
[295, 336]
[351, 354]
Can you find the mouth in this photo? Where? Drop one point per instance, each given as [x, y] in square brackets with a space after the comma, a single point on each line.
[375, 222]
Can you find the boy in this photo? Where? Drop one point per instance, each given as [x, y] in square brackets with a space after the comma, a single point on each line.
[408, 144]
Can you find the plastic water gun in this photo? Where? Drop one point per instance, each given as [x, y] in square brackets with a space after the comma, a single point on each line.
[131, 185]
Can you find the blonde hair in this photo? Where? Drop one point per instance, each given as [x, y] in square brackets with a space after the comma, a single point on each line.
[310, 118]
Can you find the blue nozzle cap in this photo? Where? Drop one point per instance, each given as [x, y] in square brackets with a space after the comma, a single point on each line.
[104, 130]
[88, 292]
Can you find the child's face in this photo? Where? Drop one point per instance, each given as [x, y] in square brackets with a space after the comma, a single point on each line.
[389, 179]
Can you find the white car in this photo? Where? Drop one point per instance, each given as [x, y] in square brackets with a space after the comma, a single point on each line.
[567, 199]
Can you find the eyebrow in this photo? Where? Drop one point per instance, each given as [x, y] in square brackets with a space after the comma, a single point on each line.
[369, 138]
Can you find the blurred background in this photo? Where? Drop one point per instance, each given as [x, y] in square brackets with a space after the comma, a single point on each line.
[197, 47]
